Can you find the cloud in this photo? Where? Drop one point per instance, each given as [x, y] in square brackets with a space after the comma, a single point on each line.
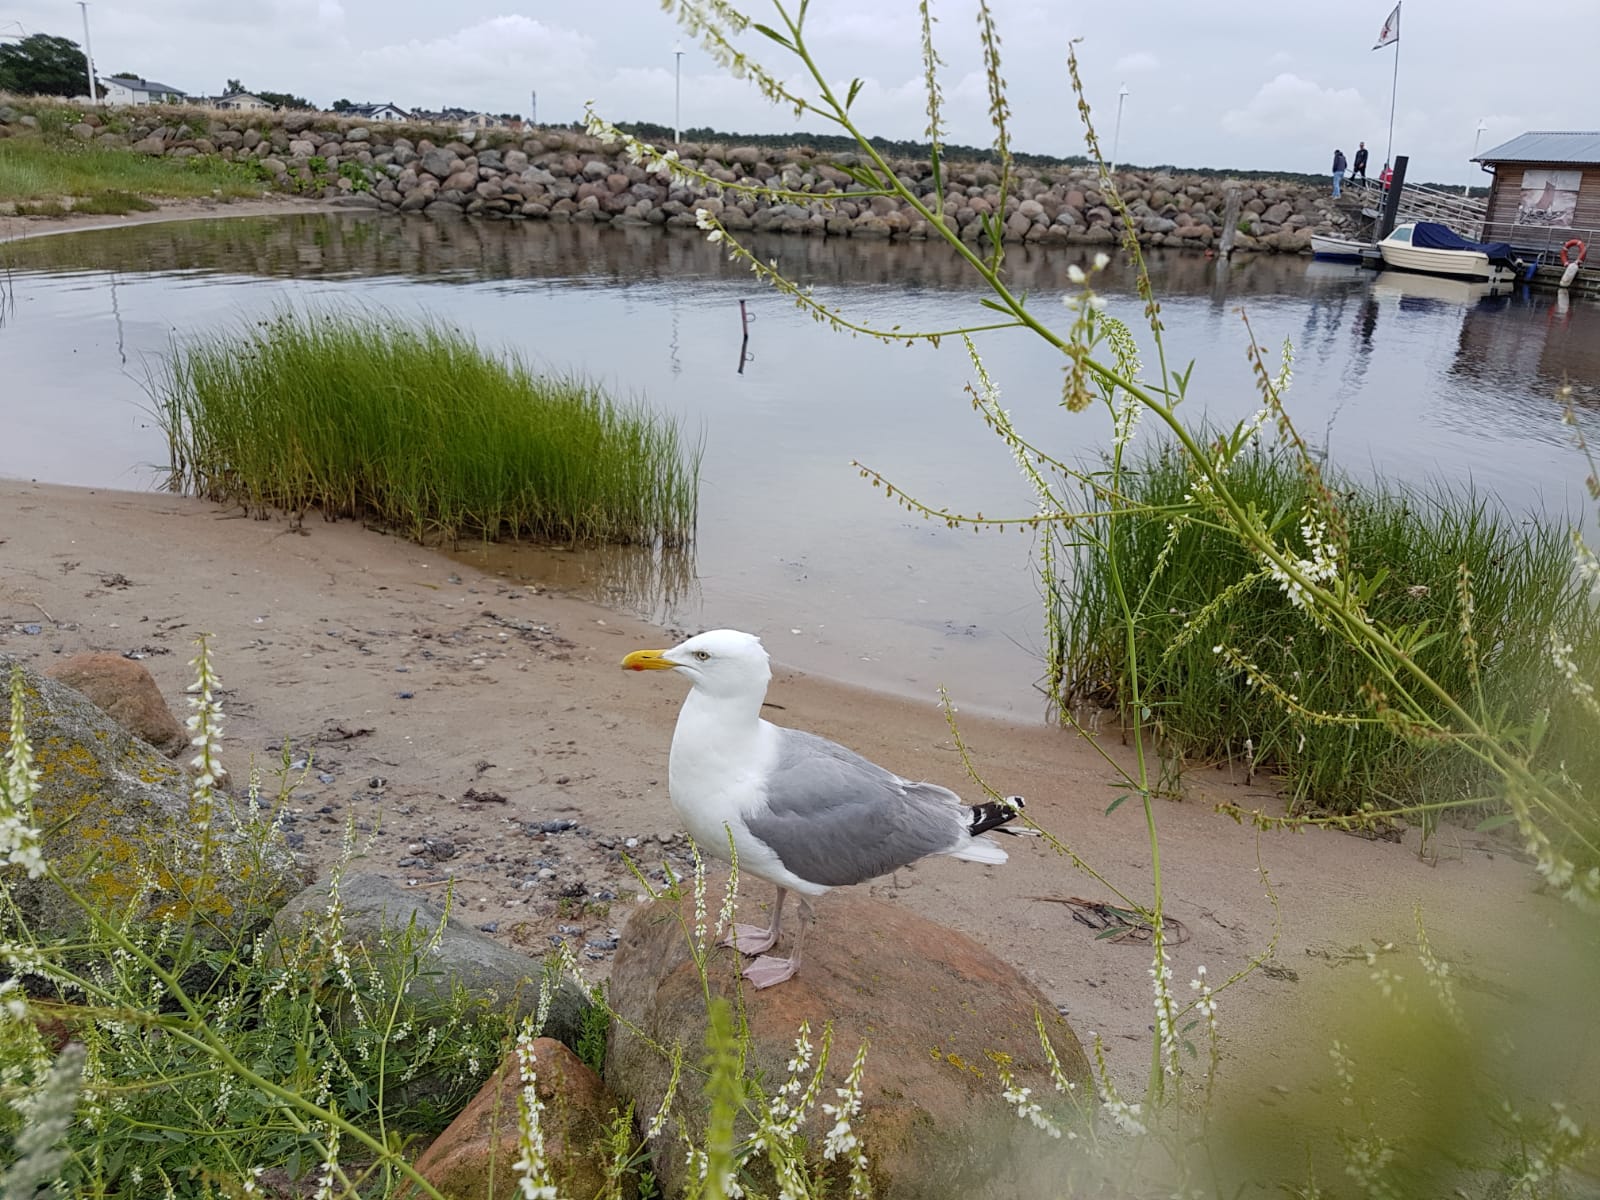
[1291, 106]
[868, 28]
[503, 55]
[1136, 63]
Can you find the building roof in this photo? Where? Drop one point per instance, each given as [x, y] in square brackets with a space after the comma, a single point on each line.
[1542, 146]
[135, 84]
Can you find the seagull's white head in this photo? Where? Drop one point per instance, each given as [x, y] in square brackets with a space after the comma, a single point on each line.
[722, 662]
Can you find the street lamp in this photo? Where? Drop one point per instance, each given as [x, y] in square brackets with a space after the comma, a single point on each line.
[1116, 136]
[677, 94]
[88, 52]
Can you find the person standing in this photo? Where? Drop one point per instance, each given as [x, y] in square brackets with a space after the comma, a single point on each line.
[1338, 172]
[1388, 174]
[1359, 167]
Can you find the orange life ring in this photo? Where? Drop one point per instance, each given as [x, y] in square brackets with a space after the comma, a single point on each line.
[1583, 251]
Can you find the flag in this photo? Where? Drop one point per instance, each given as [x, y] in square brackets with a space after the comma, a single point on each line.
[1390, 31]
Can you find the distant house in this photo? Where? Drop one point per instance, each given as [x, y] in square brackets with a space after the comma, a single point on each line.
[241, 102]
[129, 89]
[378, 112]
[1546, 191]
[465, 119]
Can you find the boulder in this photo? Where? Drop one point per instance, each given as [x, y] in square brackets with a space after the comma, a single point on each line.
[114, 809]
[940, 1014]
[125, 692]
[376, 909]
[438, 163]
[153, 146]
[473, 1159]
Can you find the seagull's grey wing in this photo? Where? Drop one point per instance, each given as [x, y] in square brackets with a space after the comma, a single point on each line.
[834, 818]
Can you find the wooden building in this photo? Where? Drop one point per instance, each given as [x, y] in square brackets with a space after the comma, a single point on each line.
[1546, 191]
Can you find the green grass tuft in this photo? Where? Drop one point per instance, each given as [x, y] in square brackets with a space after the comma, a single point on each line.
[1415, 542]
[416, 427]
[34, 169]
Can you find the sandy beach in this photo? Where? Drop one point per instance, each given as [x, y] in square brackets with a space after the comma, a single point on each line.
[481, 731]
[14, 227]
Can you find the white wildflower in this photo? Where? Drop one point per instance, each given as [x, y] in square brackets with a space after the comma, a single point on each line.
[1102, 261]
[19, 837]
[532, 1172]
[1027, 1108]
[1076, 275]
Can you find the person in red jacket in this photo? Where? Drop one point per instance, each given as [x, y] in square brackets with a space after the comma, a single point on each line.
[1388, 174]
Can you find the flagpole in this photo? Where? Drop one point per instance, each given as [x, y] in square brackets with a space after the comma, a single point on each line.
[1394, 85]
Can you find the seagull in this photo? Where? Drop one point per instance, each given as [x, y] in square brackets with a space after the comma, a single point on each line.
[803, 813]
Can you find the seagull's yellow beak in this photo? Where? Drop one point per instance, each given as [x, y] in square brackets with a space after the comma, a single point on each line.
[648, 660]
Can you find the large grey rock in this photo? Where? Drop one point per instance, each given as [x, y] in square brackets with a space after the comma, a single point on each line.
[438, 163]
[938, 1011]
[377, 910]
[115, 811]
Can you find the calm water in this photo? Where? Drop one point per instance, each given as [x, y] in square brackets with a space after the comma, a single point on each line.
[1401, 375]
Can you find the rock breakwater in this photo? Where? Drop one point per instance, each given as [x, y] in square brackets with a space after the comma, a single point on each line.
[562, 175]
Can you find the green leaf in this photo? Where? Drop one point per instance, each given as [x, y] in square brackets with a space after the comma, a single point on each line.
[768, 31]
[1536, 732]
[1489, 823]
[1113, 805]
[855, 89]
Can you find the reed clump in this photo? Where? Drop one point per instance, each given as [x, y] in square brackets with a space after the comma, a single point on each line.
[414, 426]
[1225, 656]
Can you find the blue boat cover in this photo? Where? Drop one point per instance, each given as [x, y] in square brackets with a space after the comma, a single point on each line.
[1430, 235]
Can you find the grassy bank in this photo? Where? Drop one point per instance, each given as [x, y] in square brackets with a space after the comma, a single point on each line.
[1332, 741]
[414, 426]
[43, 173]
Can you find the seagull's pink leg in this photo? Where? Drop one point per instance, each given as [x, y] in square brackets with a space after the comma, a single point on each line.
[768, 971]
[752, 939]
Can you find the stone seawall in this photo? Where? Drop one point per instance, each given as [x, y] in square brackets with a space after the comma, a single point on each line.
[561, 175]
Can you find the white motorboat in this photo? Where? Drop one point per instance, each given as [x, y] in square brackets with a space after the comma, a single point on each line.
[1433, 249]
[1337, 249]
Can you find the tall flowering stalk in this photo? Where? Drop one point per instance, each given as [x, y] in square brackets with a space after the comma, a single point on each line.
[19, 837]
[531, 1167]
[205, 728]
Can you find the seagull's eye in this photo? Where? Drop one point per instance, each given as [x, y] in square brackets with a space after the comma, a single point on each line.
[702, 655]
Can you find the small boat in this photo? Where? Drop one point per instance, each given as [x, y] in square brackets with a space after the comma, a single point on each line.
[1337, 249]
[1433, 249]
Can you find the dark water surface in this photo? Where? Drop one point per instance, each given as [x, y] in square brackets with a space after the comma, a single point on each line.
[1408, 377]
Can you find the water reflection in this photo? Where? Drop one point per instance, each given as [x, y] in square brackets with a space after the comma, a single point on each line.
[653, 583]
[354, 245]
[1396, 375]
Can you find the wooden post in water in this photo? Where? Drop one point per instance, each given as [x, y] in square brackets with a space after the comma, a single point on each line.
[1391, 199]
[1230, 220]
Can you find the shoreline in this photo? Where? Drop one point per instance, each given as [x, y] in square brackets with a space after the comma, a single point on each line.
[443, 706]
[16, 229]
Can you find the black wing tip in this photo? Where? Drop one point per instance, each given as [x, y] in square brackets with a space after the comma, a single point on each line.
[994, 813]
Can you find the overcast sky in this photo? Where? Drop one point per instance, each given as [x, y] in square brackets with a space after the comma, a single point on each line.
[1223, 85]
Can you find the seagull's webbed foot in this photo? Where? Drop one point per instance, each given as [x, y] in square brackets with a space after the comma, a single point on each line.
[750, 940]
[768, 971]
